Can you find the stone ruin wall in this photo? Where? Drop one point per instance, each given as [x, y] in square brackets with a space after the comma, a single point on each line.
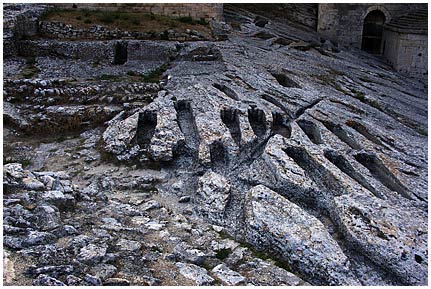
[407, 52]
[404, 51]
[59, 30]
[208, 11]
[343, 23]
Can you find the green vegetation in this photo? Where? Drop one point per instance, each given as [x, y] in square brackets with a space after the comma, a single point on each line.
[340, 89]
[371, 102]
[223, 253]
[359, 95]
[25, 163]
[155, 75]
[124, 20]
[30, 61]
[30, 71]
[364, 79]
[190, 20]
[109, 77]
[335, 72]
[422, 131]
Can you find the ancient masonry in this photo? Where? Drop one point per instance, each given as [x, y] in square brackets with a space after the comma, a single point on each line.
[263, 154]
[402, 33]
[406, 43]
[207, 11]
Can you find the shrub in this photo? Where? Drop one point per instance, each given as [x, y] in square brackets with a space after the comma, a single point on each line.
[186, 19]
[107, 18]
[136, 22]
[223, 253]
[155, 75]
[164, 35]
[30, 61]
[108, 77]
[202, 21]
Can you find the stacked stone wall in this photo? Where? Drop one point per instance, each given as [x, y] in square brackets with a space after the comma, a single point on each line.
[207, 11]
[59, 30]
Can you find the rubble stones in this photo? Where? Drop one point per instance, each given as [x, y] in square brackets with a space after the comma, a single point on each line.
[198, 274]
[128, 245]
[45, 280]
[186, 253]
[92, 254]
[267, 274]
[116, 282]
[213, 191]
[47, 217]
[228, 276]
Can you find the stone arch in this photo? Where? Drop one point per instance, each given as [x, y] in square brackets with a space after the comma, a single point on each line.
[381, 8]
[372, 22]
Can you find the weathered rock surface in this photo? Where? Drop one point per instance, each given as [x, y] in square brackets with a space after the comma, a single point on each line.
[228, 276]
[195, 273]
[213, 191]
[274, 222]
[269, 144]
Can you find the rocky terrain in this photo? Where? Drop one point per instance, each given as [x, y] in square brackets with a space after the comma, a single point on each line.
[267, 156]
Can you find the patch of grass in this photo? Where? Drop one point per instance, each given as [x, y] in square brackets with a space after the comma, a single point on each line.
[108, 17]
[131, 73]
[422, 131]
[190, 20]
[259, 254]
[236, 25]
[30, 60]
[61, 138]
[359, 95]
[26, 163]
[373, 103]
[335, 72]
[164, 35]
[95, 63]
[223, 253]
[156, 249]
[108, 77]
[185, 19]
[202, 21]
[125, 20]
[155, 75]
[30, 72]
[340, 89]
[206, 266]
[364, 79]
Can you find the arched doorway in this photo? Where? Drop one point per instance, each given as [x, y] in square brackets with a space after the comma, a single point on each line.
[373, 31]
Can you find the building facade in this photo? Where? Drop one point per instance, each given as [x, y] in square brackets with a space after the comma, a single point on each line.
[396, 31]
